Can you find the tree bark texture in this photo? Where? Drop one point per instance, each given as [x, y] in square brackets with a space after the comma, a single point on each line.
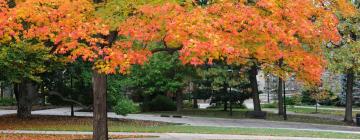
[27, 91]
[280, 97]
[254, 87]
[100, 129]
[349, 96]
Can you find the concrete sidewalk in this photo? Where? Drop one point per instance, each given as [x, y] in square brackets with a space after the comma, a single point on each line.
[216, 122]
[167, 136]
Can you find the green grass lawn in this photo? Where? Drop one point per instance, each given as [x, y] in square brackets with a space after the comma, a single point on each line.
[320, 111]
[240, 113]
[53, 123]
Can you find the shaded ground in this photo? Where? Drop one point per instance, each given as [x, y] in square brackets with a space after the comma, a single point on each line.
[37, 122]
[199, 121]
[167, 136]
[61, 125]
[19, 136]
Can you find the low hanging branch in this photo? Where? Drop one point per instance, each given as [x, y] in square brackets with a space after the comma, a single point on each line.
[55, 93]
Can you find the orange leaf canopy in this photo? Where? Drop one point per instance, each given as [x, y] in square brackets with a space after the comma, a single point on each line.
[236, 32]
[65, 26]
[240, 32]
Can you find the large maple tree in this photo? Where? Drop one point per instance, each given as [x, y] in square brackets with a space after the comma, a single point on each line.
[266, 31]
[239, 32]
[262, 34]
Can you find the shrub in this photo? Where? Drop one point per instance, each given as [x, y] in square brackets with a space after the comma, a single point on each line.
[295, 99]
[188, 104]
[270, 105]
[159, 103]
[238, 106]
[7, 102]
[306, 98]
[125, 106]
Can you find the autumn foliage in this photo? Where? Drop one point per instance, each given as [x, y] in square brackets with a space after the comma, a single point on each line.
[241, 32]
[263, 33]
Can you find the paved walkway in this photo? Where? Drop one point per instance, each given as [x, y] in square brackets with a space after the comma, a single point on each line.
[249, 104]
[324, 116]
[326, 108]
[216, 122]
[173, 136]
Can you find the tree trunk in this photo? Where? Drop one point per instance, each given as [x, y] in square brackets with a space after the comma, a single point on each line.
[195, 103]
[179, 101]
[72, 114]
[254, 88]
[349, 96]
[26, 93]
[43, 102]
[225, 105]
[100, 129]
[280, 97]
[2, 90]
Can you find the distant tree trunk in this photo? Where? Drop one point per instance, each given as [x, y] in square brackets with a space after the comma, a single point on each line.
[195, 103]
[100, 129]
[72, 114]
[280, 97]
[43, 95]
[2, 90]
[16, 92]
[179, 101]
[225, 105]
[27, 90]
[254, 87]
[349, 96]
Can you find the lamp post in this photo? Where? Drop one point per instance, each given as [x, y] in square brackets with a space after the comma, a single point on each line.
[230, 99]
[268, 87]
[285, 116]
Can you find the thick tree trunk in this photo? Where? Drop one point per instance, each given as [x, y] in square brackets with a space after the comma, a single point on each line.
[179, 101]
[280, 97]
[100, 129]
[349, 96]
[254, 88]
[27, 91]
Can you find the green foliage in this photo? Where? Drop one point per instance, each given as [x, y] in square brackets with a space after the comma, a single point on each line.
[270, 105]
[125, 106]
[162, 74]
[306, 97]
[294, 100]
[188, 104]
[159, 103]
[346, 56]
[72, 81]
[7, 102]
[222, 83]
[23, 61]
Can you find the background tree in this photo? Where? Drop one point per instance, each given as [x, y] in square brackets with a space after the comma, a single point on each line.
[163, 74]
[44, 27]
[344, 58]
[317, 94]
[259, 35]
